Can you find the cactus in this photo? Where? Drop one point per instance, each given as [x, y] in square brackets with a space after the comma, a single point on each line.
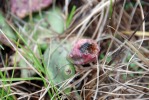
[41, 30]
[59, 68]
[7, 30]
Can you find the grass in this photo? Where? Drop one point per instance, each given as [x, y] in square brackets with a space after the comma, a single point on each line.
[70, 17]
[121, 72]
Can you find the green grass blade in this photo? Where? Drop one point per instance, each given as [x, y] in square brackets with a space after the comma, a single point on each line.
[70, 16]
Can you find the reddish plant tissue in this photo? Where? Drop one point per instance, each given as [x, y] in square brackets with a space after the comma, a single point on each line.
[22, 8]
[84, 51]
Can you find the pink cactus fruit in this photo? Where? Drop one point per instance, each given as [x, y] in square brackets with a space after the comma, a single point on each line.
[84, 51]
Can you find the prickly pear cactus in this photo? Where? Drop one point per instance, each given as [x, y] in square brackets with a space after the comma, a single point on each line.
[6, 30]
[58, 67]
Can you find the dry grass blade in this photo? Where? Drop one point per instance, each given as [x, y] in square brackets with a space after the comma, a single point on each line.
[141, 56]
